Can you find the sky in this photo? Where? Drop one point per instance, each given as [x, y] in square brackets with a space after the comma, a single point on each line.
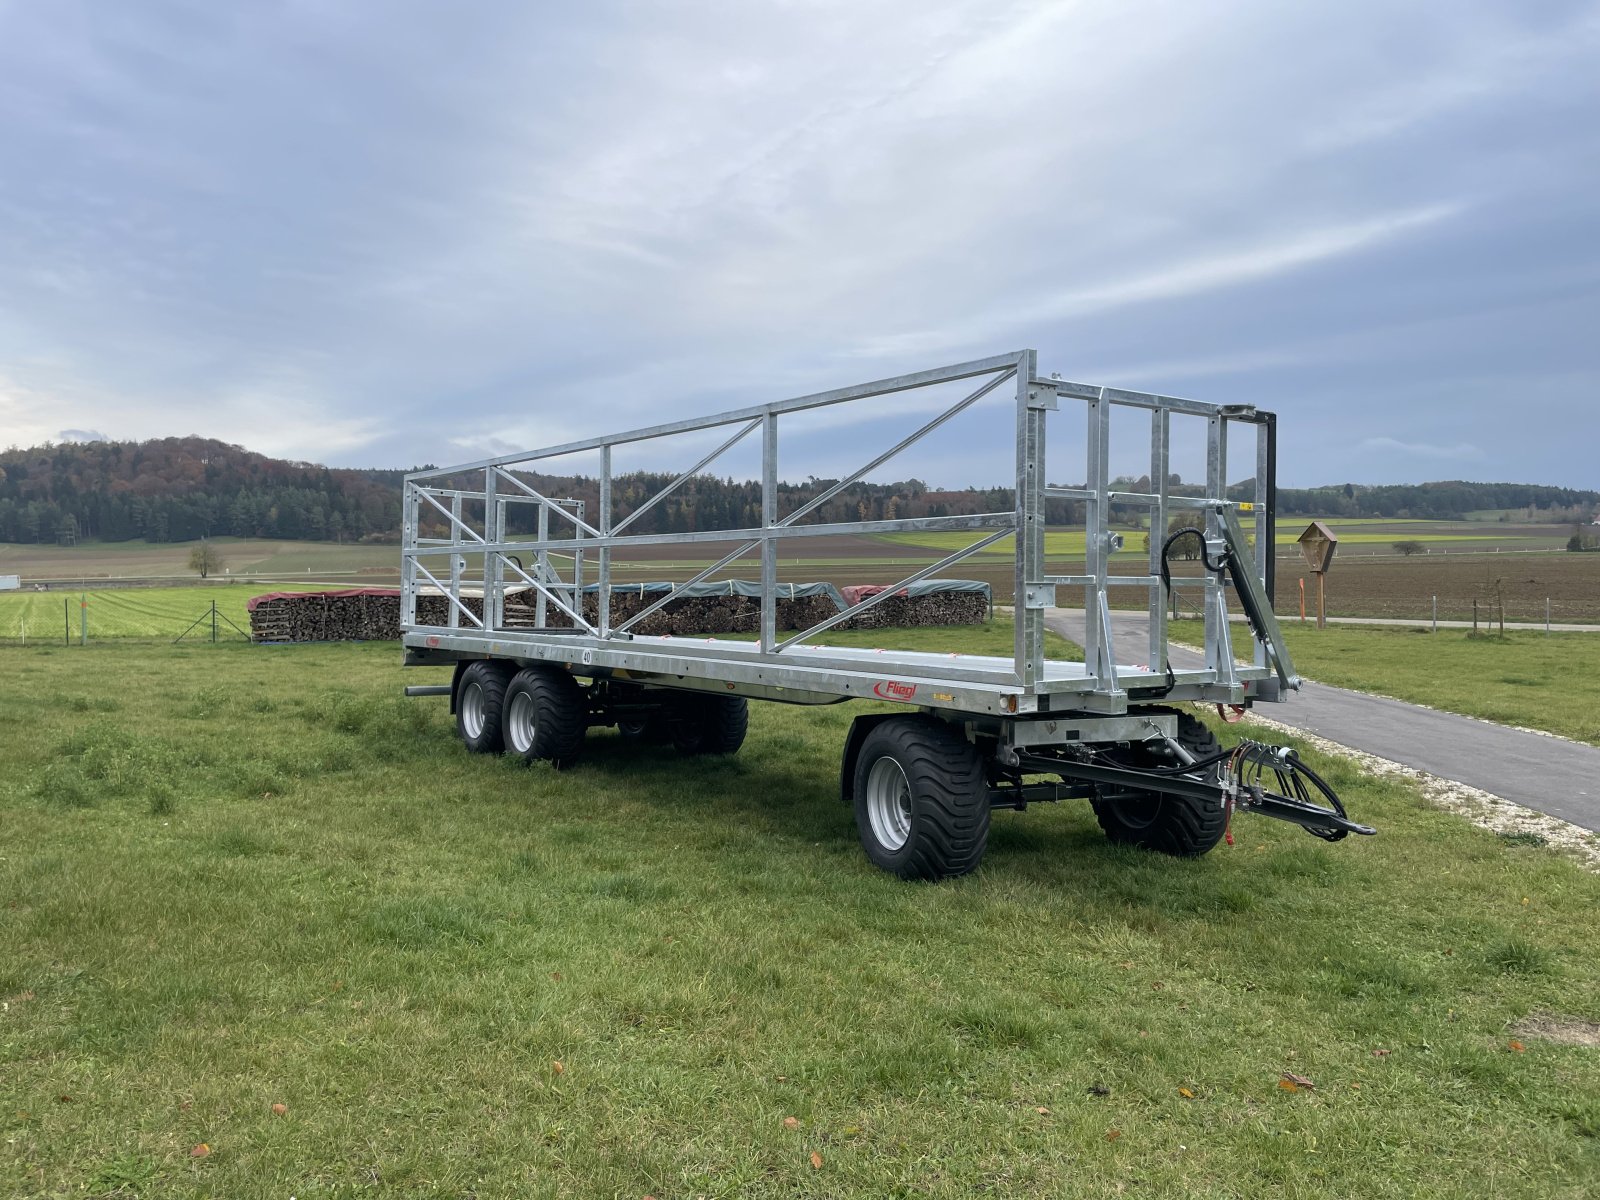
[381, 234]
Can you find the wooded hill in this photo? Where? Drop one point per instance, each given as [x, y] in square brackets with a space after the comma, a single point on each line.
[180, 489]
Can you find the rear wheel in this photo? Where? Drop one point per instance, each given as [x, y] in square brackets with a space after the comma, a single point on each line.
[480, 700]
[921, 799]
[709, 724]
[545, 717]
[1177, 825]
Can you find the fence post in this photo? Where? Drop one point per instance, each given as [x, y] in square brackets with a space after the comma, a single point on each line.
[83, 619]
[1435, 615]
[1474, 614]
[213, 622]
[1547, 615]
[66, 621]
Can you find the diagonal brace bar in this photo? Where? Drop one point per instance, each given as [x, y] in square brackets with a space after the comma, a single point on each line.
[685, 477]
[555, 507]
[706, 574]
[959, 407]
[863, 605]
[433, 579]
[455, 520]
[547, 593]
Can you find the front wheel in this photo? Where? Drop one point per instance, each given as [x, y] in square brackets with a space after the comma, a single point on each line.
[921, 799]
[1171, 824]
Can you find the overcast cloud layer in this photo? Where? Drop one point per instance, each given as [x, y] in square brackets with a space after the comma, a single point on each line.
[378, 234]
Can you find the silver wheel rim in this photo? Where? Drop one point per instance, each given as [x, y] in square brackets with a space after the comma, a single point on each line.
[889, 803]
[520, 725]
[472, 710]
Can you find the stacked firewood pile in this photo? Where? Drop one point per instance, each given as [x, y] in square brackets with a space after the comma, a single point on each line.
[724, 611]
[373, 614]
[353, 615]
[919, 605]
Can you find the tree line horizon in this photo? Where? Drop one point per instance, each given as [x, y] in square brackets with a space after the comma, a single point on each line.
[185, 489]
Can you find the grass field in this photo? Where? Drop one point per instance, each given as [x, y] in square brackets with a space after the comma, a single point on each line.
[236, 877]
[1538, 681]
[126, 612]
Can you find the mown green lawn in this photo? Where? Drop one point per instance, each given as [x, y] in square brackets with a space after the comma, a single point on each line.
[1535, 680]
[236, 877]
[131, 612]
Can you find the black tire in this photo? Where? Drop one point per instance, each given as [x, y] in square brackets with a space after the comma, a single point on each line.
[545, 717]
[921, 799]
[709, 724]
[480, 700]
[1176, 825]
[643, 729]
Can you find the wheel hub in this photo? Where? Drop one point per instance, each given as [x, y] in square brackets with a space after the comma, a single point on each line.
[889, 803]
[521, 727]
[472, 710]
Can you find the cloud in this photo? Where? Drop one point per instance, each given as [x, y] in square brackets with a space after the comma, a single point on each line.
[1197, 277]
[82, 435]
[1459, 452]
[329, 233]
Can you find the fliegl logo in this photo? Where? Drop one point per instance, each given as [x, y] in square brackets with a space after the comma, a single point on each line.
[890, 690]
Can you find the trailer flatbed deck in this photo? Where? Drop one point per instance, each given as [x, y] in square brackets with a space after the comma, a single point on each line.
[974, 731]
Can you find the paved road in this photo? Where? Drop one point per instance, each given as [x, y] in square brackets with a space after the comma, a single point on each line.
[1547, 774]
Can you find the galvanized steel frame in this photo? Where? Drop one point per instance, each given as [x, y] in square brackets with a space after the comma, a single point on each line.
[773, 664]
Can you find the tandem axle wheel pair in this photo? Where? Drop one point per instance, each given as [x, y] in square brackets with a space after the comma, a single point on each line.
[542, 713]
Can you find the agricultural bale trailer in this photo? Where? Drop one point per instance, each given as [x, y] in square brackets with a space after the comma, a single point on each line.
[968, 733]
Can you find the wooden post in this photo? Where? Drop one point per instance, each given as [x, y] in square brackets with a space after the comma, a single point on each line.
[1302, 599]
[1322, 601]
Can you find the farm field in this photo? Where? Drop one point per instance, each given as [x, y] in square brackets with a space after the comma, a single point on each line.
[238, 877]
[1368, 578]
[1404, 587]
[1365, 536]
[146, 560]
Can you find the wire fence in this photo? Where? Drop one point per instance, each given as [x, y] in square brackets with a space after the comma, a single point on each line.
[51, 618]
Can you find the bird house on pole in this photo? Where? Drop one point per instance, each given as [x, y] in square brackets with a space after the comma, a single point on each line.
[1318, 543]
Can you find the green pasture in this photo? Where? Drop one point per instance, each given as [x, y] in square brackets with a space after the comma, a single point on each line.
[237, 877]
[1532, 679]
[126, 612]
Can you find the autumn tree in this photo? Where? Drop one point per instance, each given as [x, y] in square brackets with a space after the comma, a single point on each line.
[206, 559]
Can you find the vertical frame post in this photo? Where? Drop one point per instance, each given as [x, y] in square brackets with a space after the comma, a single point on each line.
[1029, 540]
[603, 624]
[769, 544]
[1266, 535]
[1160, 461]
[408, 556]
[458, 561]
[541, 569]
[577, 559]
[492, 566]
[1219, 643]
